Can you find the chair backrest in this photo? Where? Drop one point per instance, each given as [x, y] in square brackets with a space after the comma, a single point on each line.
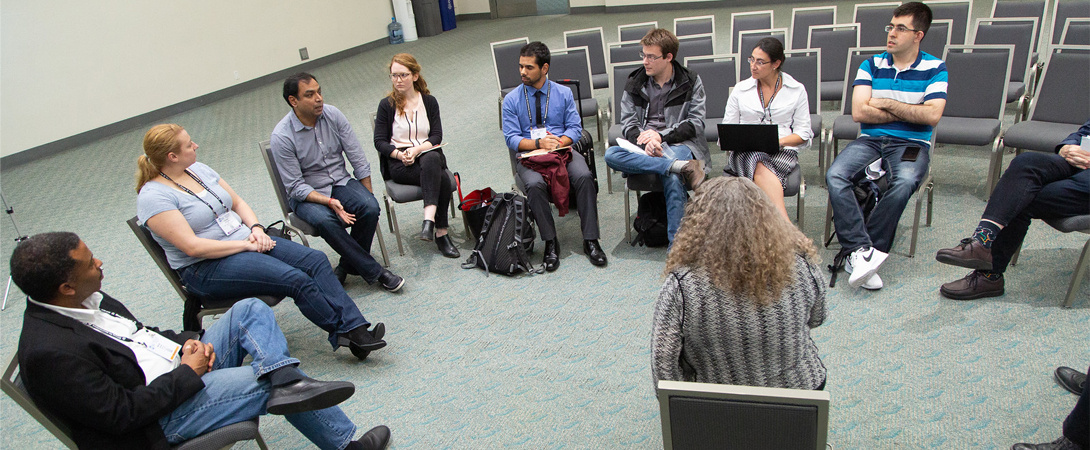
[1021, 8]
[834, 42]
[505, 60]
[1067, 9]
[1015, 31]
[804, 18]
[805, 67]
[1076, 32]
[635, 31]
[706, 415]
[143, 234]
[959, 12]
[624, 52]
[977, 86]
[855, 57]
[1061, 96]
[937, 38]
[742, 21]
[872, 19]
[686, 26]
[12, 385]
[592, 39]
[748, 39]
[695, 45]
[274, 175]
[573, 64]
[619, 74]
[717, 73]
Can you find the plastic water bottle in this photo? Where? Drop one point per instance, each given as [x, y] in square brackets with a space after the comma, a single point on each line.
[394, 30]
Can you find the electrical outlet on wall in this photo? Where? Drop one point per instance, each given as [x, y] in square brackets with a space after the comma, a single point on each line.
[236, 74]
[303, 55]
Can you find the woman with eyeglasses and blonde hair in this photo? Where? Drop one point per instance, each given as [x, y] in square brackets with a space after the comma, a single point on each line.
[737, 308]
[212, 238]
[769, 96]
[407, 128]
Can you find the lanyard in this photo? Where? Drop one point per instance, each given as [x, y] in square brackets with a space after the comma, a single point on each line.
[198, 180]
[139, 326]
[530, 114]
[761, 96]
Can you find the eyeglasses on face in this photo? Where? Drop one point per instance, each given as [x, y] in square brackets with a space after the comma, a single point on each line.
[759, 62]
[400, 76]
[899, 28]
[651, 58]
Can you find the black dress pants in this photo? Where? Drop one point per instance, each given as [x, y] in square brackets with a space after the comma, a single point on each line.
[428, 172]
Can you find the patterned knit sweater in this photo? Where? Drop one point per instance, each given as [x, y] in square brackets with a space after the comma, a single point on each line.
[703, 334]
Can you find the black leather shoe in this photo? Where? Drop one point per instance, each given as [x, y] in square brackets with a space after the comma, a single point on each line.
[361, 342]
[972, 287]
[1059, 444]
[594, 252]
[308, 394]
[552, 255]
[969, 253]
[427, 231]
[340, 274]
[1070, 379]
[390, 282]
[376, 439]
[446, 247]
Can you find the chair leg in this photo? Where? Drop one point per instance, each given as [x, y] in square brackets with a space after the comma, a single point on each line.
[627, 217]
[916, 218]
[828, 235]
[609, 180]
[453, 208]
[993, 168]
[389, 207]
[382, 247]
[1080, 273]
[801, 209]
[930, 201]
[391, 214]
[1014, 259]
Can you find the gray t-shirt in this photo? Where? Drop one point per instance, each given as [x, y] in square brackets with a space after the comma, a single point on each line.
[156, 197]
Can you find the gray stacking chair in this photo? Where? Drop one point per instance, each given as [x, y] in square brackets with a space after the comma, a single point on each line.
[695, 45]
[635, 31]
[13, 385]
[1067, 9]
[194, 308]
[718, 74]
[1076, 32]
[295, 223]
[834, 42]
[407, 193]
[976, 98]
[959, 12]
[937, 38]
[1021, 9]
[748, 39]
[686, 26]
[592, 39]
[1059, 107]
[1020, 33]
[620, 73]
[743, 21]
[844, 127]
[505, 61]
[805, 66]
[1079, 224]
[625, 52]
[872, 19]
[574, 64]
[804, 18]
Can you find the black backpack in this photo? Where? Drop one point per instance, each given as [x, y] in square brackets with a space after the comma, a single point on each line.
[650, 223]
[506, 239]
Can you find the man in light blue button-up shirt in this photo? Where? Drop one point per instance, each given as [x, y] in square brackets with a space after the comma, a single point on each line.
[309, 146]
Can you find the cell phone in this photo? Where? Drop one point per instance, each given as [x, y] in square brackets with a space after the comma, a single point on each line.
[911, 154]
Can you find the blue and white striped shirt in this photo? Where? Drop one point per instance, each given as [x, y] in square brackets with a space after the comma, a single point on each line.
[924, 80]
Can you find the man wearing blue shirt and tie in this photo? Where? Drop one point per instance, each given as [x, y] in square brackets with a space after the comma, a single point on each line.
[541, 115]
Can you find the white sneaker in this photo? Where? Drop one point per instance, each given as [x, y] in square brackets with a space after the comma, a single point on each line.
[865, 261]
[873, 283]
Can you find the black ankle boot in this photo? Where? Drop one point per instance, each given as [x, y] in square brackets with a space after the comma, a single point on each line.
[446, 246]
[427, 231]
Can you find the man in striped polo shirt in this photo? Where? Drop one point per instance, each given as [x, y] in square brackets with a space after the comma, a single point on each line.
[898, 98]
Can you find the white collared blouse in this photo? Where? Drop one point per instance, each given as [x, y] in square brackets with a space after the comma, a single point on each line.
[790, 110]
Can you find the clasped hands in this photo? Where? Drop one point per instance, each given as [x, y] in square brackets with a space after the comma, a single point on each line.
[259, 241]
[1076, 156]
[651, 141]
[198, 356]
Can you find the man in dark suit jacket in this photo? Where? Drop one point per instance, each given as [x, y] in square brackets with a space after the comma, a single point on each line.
[118, 384]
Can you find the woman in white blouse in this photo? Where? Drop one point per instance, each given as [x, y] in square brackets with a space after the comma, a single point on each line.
[770, 96]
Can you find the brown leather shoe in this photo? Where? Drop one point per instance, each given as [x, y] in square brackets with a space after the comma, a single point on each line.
[970, 254]
[693, 173]
[972, 287]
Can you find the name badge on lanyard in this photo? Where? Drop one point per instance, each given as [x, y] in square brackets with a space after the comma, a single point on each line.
[161, 346]
[538, 132]
[229, 222]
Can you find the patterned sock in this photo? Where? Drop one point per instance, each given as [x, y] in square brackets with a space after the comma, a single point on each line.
[985, 233]
[991, 276]
[677, 166]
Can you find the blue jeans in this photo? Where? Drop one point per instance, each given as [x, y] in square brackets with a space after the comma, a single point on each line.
[904, 179]
[289, 269]
[233, 394]
[672, 186]
[354, 247]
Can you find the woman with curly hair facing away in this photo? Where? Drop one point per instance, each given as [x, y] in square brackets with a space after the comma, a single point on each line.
[738, 308]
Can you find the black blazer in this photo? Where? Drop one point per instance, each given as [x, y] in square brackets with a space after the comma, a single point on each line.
[93, 383]
[384, 128]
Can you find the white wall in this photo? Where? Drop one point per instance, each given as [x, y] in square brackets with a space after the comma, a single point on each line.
[471, 6]
[70, 66]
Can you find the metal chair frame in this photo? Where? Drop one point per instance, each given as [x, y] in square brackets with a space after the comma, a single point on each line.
[709, 18]
[968, 18]
[733, 42]
[1031, 72]
[642, 25]
[1071, 21]
[794, 13]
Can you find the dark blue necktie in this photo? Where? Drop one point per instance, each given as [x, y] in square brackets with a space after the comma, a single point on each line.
[537, 96]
